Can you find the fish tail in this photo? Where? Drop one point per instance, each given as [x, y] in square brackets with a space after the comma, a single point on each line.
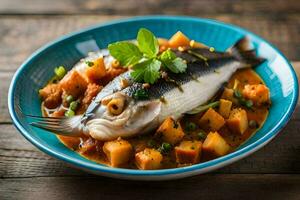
[243, 51]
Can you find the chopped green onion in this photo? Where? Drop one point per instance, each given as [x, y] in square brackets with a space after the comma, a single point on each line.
[141, 94]
[190, 126]
[73, 105]
[237, 94]
[69, 113]
[89, 63]
[204, 108]
[60, 72]
[69, 98]
[201, 135]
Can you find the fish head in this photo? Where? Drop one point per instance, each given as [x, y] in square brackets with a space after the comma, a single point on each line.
[120, 115]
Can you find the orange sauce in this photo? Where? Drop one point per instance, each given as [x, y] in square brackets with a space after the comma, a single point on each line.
[245, 76]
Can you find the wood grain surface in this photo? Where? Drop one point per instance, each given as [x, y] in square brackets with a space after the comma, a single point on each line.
[26, 173]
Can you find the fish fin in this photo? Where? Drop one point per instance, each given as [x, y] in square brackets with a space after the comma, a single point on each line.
[243, 51]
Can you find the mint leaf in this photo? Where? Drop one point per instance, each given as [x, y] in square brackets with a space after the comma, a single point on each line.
[173, 63]
[147, 71]
[125, 52]
[147, 43]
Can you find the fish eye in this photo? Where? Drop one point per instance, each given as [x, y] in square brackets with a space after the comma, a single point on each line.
[116, 106]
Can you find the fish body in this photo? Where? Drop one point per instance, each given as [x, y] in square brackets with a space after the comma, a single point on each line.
[172, 95]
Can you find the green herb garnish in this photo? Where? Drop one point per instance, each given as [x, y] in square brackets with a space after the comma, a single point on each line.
[144, 58]
[141, 94]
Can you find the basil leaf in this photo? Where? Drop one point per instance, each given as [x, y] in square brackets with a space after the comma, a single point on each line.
[125, 52]
[173, 63]
[147, 71]
[147, 43]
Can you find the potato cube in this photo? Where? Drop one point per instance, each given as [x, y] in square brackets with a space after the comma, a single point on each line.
[118, 152]
[238, 121]
[148, 159]
[179, 40]
[215, 144]
[258, 93]
[97, 71]
[74, 84]
[211, 120]
[170, 131]
[188, 152]
[228, 94]
[225, 107]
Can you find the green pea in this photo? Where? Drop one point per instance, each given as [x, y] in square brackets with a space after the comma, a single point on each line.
[166, 147]
[249, 104]
[190, 126]
[202, 135]
[69, 98]
[69, 113]
[60, 72]
[253, 124]
[73, 105]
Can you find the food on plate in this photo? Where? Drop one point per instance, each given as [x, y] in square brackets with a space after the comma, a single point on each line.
[156, 103]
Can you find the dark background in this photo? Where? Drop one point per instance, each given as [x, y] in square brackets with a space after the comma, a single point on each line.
[27, 173]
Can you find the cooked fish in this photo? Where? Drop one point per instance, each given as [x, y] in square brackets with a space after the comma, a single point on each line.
[173, 95]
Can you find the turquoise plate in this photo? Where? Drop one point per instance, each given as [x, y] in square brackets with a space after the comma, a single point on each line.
[277, 73]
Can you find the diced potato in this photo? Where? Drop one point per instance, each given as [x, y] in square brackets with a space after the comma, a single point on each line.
[188, 152]
[179, 40]
[225, 108]
[211, 120]
[170, 131]
[215, 145]
[51, 95]
[148, 159]
[74, 84]
[97, 71]
[258, 93]
[228, 94]
[118, 152]
[238, 121]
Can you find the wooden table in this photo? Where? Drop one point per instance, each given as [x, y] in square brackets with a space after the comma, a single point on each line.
[27, 173]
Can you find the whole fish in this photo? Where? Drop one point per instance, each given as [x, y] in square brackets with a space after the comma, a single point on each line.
[173, 95]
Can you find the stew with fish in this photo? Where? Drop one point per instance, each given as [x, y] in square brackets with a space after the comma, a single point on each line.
[232, 114]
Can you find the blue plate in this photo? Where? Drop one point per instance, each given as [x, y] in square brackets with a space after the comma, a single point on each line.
[277, 73]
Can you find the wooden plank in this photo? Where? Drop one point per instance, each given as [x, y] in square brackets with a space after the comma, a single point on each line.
[237, 186]
[22, 36]
[132, 7]
[18, 158]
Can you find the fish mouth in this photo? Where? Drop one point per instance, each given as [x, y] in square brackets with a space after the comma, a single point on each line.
[138, 117]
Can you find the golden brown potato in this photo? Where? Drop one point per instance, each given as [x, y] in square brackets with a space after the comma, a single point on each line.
[170, 131]
[225, 108]
[188, 152]
[211, 120]
[179, 40]
[97, 71]
[258, 93]
[215, 145]
[238, 121]
[148, 159]
[228, 95]
[51, 95]
[118, 152]
[91, 91]
[74, 84]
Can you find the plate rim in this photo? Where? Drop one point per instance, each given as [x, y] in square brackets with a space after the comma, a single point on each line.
[197, 168]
